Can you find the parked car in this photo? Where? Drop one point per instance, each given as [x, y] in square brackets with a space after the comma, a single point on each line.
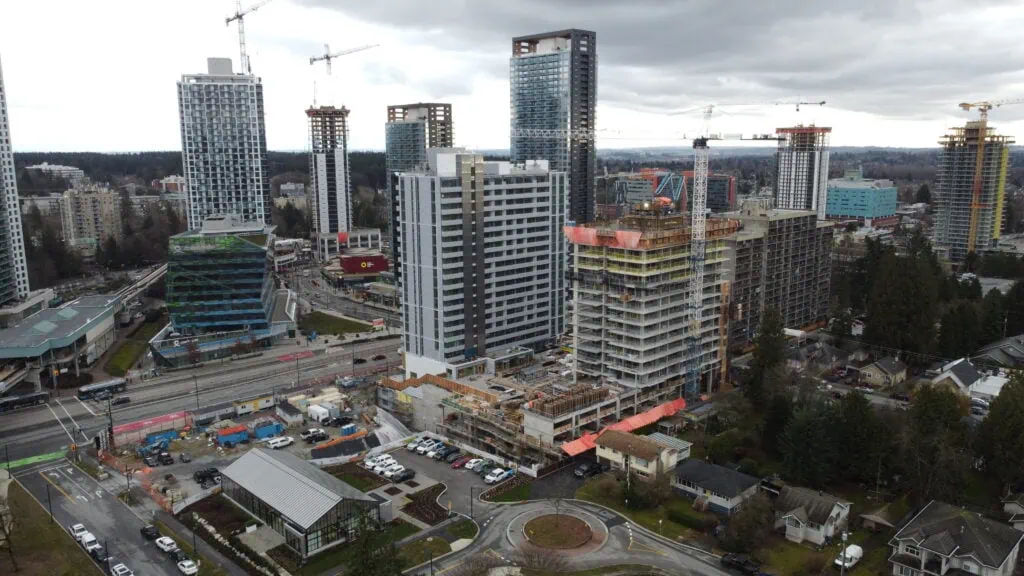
[495, 475]
[150, 532]
[207, 474]
[978, 411]
[165, 459]
[461, 461]
[372, 461]
[426, 446]
[379, 357]
[980, 403]
[444, 452]
[383, 466]
[120, 400]
[184, 458]
[900, 396]
[88, 541]
[394, 471]
[314, 435]
[437, 449]
[188, 567]
[407, 474]
[359, 360]
[850, 557]
[121, 570]
[77, 530]
[166, 544]
[150, 461]
[741, 563]
[586, 469]
[280, 442]
[485, 468]
[99, 554]
[454, 455]
[472, 464]
[412, 446]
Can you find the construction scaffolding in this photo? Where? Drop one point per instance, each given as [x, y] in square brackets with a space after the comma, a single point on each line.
[964, 222]
[802, 160]
[577, 398]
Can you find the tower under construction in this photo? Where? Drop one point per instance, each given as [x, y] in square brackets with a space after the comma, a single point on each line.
[331, 197]
[960, 165]
[632, 282]
[801, 169]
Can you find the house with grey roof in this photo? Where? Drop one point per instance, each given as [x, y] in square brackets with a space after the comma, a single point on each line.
[1005, 353]
[958, 375]
[884, 372]
[720, 489]
[810, 514]
[947, 540]
[308, 507]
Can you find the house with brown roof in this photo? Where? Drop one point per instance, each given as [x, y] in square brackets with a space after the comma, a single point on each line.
[638, 455]
[946, 540]
[810, 515]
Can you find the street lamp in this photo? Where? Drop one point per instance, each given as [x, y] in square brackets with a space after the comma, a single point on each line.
[196, 381]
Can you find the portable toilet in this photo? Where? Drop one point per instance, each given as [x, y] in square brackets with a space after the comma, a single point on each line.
[348, 429]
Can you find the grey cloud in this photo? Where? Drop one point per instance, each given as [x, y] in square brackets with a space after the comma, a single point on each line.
[897, 58]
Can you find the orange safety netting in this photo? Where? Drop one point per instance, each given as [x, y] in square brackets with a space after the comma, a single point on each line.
[586, 442]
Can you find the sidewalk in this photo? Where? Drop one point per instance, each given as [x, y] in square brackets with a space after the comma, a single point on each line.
[205, 550]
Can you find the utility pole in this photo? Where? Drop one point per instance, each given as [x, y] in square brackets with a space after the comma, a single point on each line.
[49, 503]
[196, 381]
[195, 550]
[7, 457]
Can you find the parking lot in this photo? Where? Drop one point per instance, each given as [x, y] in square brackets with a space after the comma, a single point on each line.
[460, 482]
[76, 498]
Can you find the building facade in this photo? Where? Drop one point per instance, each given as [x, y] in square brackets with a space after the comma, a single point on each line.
[721, 191]
[218, 278]
[330, 183]
[411, 129]
[73, 176]
[224, 144]
[631, 289]
[88, 216]
[13, 270]
[801, 175]
[780, 259]
[872, 202]
[554, 98]
[954, 189]
[483, 261]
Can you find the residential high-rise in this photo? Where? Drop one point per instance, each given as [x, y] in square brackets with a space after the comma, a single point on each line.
[631, 322]
[779, 259]
[801, 171]
[483, 258]
[954, 189]
[88, 216]
[13, 270]
[330, 197]
[554, 95]
[224, 144]
[412, 129]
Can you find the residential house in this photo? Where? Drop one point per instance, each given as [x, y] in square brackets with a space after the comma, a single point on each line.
[815, 356]
[682, 447]
[639, 455]
[1005, 353]
[1014, 506]
[810, 515]
[948, 540]
[961, 376]
[884, 373]
[720, 489]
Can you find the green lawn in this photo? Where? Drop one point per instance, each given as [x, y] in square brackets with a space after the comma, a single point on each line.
[402, 529]
[465, 529]
[125, 357]
[517, 494]
[646, 518]
[418, 552]
[784, 558]
[149, 329]
[41, 548]
[356, 482]
[327, 324]
[206, 568]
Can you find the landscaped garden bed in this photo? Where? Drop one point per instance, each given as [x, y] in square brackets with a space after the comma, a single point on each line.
[423, 505]
[557, 531]
[356, 476]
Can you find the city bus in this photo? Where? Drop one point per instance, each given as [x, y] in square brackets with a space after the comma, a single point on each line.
[13, 402]
[109, 386]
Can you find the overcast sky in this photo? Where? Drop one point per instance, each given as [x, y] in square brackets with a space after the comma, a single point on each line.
[100, 75]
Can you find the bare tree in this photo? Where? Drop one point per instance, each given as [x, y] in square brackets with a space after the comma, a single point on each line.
[192, 349]
[542, 561]
[6, 530]
[479, 565]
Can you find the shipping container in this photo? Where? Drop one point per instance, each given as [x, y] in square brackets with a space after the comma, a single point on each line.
[165, 435]
[318, 413]
[233, 436]
[267, 429]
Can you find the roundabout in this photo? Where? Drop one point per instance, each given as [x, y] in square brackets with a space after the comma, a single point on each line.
[557, 531]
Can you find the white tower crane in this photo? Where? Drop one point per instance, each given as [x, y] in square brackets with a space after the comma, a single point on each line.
[327, 56]
[239, 16]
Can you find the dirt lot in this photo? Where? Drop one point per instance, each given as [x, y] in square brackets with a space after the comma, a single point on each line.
[220, 512]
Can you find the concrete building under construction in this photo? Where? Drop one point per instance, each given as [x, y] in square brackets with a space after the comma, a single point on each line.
[631, 284]
[959, 166]
[801, 164]
[779, 259]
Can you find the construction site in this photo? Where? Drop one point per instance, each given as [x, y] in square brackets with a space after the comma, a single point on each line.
[971, 189]
[635, 281]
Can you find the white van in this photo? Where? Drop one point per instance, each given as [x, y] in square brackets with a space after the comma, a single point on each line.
[280, 442]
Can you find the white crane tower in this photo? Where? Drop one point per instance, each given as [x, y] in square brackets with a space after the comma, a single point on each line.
[239, 16]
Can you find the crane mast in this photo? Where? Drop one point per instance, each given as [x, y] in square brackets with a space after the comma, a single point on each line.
[239, 16]
[698, 237]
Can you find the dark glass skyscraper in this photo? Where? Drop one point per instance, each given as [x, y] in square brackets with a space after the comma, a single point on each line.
[554, 93]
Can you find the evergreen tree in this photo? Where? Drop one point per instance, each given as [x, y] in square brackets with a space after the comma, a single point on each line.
[960, 332]
[992, 315]
[935, 445]
[808, 449]
[1001, 437]
[769, 353]
[902, 306]
[924, 194]
[780, 411]
[859, 438]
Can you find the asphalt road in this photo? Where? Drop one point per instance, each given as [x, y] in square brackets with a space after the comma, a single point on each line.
[64, 420]
[76, 498]
[321, 296]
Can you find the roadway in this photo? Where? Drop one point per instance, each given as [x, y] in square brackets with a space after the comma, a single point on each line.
[322, 296]
[65, 420]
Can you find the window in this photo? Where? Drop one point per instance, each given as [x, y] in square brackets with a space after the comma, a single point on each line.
[912, 550]
[905, 571]
[969, 567]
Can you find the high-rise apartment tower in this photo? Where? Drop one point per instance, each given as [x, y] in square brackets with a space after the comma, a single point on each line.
[483, 258]
[954, 190]
[412, 129]
[13, 270]
[554, 95]
[801, 169]
[224, 144]
[330, 198]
